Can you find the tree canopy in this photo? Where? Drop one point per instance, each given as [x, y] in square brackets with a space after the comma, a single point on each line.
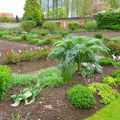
[33, 12]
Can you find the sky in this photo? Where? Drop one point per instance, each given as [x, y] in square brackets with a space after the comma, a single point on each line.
[12, 6]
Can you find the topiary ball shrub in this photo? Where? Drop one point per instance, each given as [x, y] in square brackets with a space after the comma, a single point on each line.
[90, 26]
[99, 36]
[73, 25]
[81, 97]
[5, 77]
[51, 26]
[28, 25]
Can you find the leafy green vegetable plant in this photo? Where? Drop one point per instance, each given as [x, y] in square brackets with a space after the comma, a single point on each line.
[23, 79]
[28, 95]
[50, 77]
[109, 80]
[81, 97]
[28, 55]
[42, 53]
[106, 92]
[79, 50]
[99, 36]
[116, 73]
[109, 61]
[112, 81]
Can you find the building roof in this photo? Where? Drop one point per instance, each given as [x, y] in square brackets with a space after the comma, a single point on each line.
[9, 15]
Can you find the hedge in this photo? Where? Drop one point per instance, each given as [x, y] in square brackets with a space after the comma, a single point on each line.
[109, 19]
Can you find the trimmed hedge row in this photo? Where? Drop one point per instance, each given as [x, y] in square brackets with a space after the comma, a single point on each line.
[109, 19]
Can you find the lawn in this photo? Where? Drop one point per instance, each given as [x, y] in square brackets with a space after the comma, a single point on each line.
[110, 112]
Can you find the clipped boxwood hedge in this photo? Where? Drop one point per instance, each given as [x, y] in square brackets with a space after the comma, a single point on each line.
[109, 19]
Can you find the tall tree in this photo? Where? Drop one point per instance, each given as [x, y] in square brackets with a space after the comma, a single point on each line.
[33, 12]
[76, 8]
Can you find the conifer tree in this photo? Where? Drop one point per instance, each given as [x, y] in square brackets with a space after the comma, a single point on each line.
[33, 12]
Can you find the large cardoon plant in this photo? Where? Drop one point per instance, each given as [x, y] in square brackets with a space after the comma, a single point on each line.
[81, 51]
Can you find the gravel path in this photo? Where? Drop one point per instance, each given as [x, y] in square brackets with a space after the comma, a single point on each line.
[9, 25]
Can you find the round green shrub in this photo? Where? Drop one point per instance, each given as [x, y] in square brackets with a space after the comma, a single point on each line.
[28, 25]
[73, 25]
[99, 36]
[51, 25]
[5, 19]
[90, 26]
[5, 77]
[24, 36]
[81, 97]
[106, 38]
[28, 55]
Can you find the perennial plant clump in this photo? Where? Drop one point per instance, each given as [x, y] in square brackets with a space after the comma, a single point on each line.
[81, 97]
[82, 51]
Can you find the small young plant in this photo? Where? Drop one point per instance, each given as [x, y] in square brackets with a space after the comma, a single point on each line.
[28, 55]
[13, 57]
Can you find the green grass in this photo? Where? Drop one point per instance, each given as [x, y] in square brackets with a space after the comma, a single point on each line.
[110, 112]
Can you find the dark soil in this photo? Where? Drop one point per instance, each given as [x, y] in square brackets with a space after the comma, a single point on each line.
[51, 104]
[6, 47]
[32, 66]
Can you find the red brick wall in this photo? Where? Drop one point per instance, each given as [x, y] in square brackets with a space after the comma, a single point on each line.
[64, 22]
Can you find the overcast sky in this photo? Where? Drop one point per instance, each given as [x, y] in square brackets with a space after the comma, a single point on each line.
[12, 6]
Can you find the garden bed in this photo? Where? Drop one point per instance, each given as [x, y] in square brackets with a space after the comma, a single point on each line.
[50, 104]
[31, 66]
[111, 34]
